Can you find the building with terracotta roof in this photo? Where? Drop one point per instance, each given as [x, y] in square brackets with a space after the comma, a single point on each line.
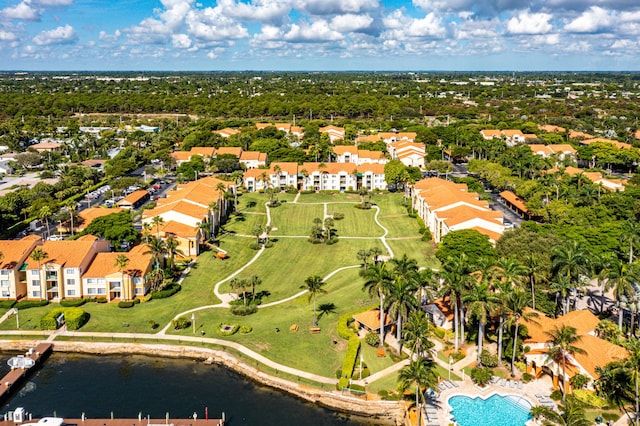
[278, 175]
[597, 352]
[561, 151]
[516, 204]
[86, 216]
[597, 178]
[411, 154]
[335, 133]
[389, 137]
[574, 134]
[253, 159]
[103, 277]
[617, 144]
[445, 206]
[510, 136]
[13, 276]
[227, 132]
[342, 176]
[370, 320]
[188, 237]
[549, 128]
[46, 146]
[59, 275]
[351, 154]
[367, 139]
[134, 200]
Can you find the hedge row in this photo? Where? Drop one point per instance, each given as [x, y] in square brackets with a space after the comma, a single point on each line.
[169, 291]
[25, 304]
[72, 303]
[73, 317]
[7, 304]
[349, 363]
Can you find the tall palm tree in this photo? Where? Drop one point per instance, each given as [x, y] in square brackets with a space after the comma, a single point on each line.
[328, 225]
[157, 250]
[631, 235]
[39, 255]
[377, 281]
[563, 342]
[456, 279]
[421, 373]
[213, 207]
[72, 206]
[146, 231]
[121, 263]
[571, 260]
[173, 249]
[482, 302]
[633, 364]
[570, 413]
[314, 286]
[536, 273]
[417, 331]
[157, 221]
[516, 309]
[621, 277]
[614, 380]
[401, 301]
[255, 281]
[563, 287]
[363, 256]
[45, 213]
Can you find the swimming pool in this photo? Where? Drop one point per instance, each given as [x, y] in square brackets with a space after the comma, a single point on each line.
[510, 410]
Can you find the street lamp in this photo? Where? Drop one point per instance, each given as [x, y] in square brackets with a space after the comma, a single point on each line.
[15, 312]
[193, 321]
[450, 365]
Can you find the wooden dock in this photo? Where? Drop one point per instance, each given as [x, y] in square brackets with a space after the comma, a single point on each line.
[9, 383]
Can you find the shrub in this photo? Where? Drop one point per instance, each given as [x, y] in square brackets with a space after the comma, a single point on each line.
[343, 328]
[181, 323]
[245, 329]
[136, 301]
[268, 244]
[26, 304]
[439, 332]
[233, 330]
[579, 381]
[526, 377]
[7, 304]
[153, 324]
[75, 318]
[316, 240]
[338, 374]
[358, 389]
[168, 291]
[101, 299]
[488, 359]
[426, 235]
[338, 216]
[349, 363]
[254, 246]
[48, 321]
[589, 398]
[72, 303]
[556, 395]
[481, 376]
[373, 339]
[520, 365]
[125, 304]
[366, 206]
[332, 241]
[244, 310]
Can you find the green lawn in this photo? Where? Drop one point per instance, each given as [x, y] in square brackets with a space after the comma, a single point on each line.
[400, 225]
[356, 222]
[417, 249]
[244, 222]
[316, 353]
[390, 204]
[328, 198]
[284, 267]
[295, 219]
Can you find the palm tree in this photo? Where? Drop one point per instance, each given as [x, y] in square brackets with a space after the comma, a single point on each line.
[205, 229]
[421, 373]
[235, 284]
[401, 302]
[535, 274]
[39, 255]
[570, 413]
[213, 207]
[157, 221]
[157, 249]
[631, 234]
[255, 281]
[378, 281]
[257, 231]
[146, 231]
[562, 286]
[44, 214]
[328, 224]
[455, 276]
[515, 306]
[404, 266]
[417, 331]
[614, 380]
[173, 249]
[621, 277]
[121, 263]
[363, 256]
[72, 206]
[314, 286]
[482, 303]
[633, 364]
[563, 342]
[572, 261]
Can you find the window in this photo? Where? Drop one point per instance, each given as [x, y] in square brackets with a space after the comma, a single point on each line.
[71, 292]
[71, 281]
[35, 293]
[91, 281]
[137, 280]
[4, 283]
[4, 272]
[92, 290]
[102, 290]
[35, 283]
[138, 291]
[35, 272]
[5, 293]
[70, 271]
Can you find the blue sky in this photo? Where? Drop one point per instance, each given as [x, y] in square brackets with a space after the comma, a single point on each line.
[326, 35]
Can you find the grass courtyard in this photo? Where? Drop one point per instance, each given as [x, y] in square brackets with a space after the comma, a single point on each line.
[283, 269]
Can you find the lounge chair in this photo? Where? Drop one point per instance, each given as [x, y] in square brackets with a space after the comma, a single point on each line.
[511, 384]
[520, 384]
[448, 384]
[495, 379]
[503, 382]
[539, 396]
[454, 384]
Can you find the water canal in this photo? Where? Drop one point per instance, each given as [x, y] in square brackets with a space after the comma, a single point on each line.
[72, 384]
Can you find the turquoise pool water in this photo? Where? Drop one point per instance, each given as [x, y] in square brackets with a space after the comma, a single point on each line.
[494, 411]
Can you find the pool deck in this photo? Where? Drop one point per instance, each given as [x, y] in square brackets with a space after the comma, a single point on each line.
[467, 388]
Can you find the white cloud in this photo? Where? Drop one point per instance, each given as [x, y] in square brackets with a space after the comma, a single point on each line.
[22, 10]
[328, 7]
[181, 41]
[7, 36]
[103, 36]
[591, 21]
[60, 35]
[530, 23]
[54, 2]
[318, 31]
[258, 10]
[351, 22]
